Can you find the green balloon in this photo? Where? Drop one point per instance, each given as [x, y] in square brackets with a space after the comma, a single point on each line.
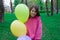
[22, 12]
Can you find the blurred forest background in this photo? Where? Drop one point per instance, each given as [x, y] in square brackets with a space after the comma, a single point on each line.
[48, 9]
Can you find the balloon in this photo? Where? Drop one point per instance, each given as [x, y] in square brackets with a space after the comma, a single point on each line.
[24, 38]
[22, 12]
[18, 28]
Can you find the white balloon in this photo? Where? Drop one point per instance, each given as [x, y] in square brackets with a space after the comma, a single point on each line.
[24, 38]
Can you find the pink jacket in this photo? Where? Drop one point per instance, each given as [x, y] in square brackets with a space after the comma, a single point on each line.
[34, 28]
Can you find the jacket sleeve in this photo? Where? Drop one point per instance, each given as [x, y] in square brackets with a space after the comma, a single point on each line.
[38, 34]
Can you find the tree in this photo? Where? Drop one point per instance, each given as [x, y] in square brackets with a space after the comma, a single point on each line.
[11, 6]
[26, 2]
[47, 7]
[51, 7]
[57, 6]
[16, 2]
[22, 1]
[41, 4]
[1, 11]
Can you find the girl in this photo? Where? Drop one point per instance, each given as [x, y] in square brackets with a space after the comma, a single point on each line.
[34, 24]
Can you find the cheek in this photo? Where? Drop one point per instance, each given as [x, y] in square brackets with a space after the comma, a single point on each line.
[31, 13]
[35, 13]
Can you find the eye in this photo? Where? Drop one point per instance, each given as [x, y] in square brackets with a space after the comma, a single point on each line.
[32, 10]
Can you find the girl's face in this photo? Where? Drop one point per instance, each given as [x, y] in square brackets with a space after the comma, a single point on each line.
[33, 12]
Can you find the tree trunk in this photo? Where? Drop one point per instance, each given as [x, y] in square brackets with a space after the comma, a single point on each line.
[11, 6]
[57, 6]
[26, 2]
[47, 7]
[21, 1]
[1, 11]
[51, 7]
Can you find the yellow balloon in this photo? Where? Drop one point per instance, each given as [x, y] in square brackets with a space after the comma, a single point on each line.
[18, 28]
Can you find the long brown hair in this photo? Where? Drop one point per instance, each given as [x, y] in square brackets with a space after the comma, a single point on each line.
[36, 8]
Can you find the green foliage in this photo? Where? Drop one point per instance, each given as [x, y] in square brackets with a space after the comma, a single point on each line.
[59, 4]
[39, 3]
[16, 2]
[49, 4]
[36, 2]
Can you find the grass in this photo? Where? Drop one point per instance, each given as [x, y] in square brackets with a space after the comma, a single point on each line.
[5, 33]
[51, 27]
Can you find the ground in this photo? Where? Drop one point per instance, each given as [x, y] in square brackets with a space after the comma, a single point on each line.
[51, 27]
